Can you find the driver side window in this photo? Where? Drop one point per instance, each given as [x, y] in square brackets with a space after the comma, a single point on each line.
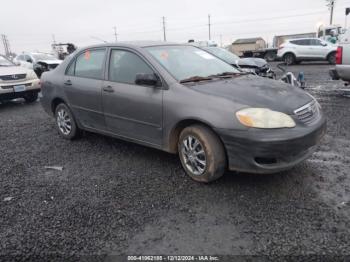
[125, 65]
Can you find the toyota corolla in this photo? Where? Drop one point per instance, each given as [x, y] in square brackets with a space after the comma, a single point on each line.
[183, 100]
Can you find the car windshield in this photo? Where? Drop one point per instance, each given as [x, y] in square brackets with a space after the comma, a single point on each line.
[223, 54]
[185, 62]
[5, 62]
[43, 57]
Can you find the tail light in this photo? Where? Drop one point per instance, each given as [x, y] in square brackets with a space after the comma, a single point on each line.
[339, 55]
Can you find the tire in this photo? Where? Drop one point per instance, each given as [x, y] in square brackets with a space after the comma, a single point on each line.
[65, 122]
[31, 97]
[289, 59]
[332, 58]
[270, 56]
[195, 139]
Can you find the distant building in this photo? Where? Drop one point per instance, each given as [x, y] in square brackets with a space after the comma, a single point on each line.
[247, 44]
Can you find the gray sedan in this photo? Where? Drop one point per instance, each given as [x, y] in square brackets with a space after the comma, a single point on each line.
[181, 99]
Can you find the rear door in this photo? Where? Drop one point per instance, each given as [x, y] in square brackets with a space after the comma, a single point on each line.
[304, 48]
[83, 84]
[132, 111]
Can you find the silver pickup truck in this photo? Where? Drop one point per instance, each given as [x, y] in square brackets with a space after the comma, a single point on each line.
[342, 68]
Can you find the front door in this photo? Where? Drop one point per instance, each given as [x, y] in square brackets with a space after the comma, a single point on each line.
[83, 87]
[320, 51]
[132, 111]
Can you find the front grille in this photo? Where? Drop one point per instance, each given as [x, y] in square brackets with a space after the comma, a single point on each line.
[13, 77]
[308, 113]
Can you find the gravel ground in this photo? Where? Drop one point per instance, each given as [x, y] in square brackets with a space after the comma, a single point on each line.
[114, 197]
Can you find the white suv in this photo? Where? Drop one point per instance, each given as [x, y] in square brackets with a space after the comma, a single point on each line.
[294, 51]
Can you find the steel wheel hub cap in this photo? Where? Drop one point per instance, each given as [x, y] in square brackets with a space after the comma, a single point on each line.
[64, 122]
[193, 155]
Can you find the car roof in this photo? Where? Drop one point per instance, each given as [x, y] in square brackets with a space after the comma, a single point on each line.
[306, 38]
[135, 44]
[34, 53]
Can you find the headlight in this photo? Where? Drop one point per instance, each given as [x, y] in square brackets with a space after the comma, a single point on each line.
[31, 75]
[264, 118]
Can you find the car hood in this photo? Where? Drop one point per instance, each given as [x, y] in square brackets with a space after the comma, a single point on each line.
[50, 62]
[253, 91]
[252, 62]
[13, 70]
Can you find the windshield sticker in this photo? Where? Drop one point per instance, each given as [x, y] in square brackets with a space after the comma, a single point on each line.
[87, 55]
[205, 55]
[164, 55]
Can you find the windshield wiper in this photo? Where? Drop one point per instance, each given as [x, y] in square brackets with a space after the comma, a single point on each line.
[196, 79]
[228, 74]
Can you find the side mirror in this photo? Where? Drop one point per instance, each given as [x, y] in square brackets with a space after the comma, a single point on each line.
[324, 44]
[29, 60]
[147, 80]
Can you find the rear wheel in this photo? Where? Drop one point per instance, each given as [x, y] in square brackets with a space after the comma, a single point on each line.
[66, 125]
[201, 153]
[270, 56]
[30, 97]
[332, 59]
[289, 59]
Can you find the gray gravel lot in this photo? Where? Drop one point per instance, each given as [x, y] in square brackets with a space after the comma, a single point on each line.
[114, 197]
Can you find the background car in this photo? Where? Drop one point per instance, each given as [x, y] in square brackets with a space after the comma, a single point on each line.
[39, 62]
[295, 51]
[342, 68]
[258, 66]
[183, 100]
[17, 82]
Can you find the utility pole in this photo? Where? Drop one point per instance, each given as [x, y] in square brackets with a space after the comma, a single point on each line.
[209, 24]
[331, 4]
[164, 31]
[115, 33]
[6, 46]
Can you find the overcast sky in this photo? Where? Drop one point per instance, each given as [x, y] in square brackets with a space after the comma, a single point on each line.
[31, 24]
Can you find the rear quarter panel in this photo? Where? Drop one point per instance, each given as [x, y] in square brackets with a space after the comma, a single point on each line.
[343, 70]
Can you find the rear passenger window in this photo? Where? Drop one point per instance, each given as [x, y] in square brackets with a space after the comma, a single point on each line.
[125, 65]
[71, 70]
[301, 42]
[89, 64]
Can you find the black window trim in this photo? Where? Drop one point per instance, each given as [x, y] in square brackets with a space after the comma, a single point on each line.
[74, 59]
[135, 52]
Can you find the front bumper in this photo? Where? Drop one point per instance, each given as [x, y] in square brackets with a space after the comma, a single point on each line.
[270, 151]
[7, 89]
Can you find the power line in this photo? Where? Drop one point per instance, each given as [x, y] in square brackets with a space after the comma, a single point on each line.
[269, 18]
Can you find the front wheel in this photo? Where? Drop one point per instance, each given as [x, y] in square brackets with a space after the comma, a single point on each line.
[332, 59]
[31, 97]
[289, 59]
[66, 125]
[201, 153]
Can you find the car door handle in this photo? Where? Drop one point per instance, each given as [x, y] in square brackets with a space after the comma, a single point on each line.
[68, 83]
[108, 89]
